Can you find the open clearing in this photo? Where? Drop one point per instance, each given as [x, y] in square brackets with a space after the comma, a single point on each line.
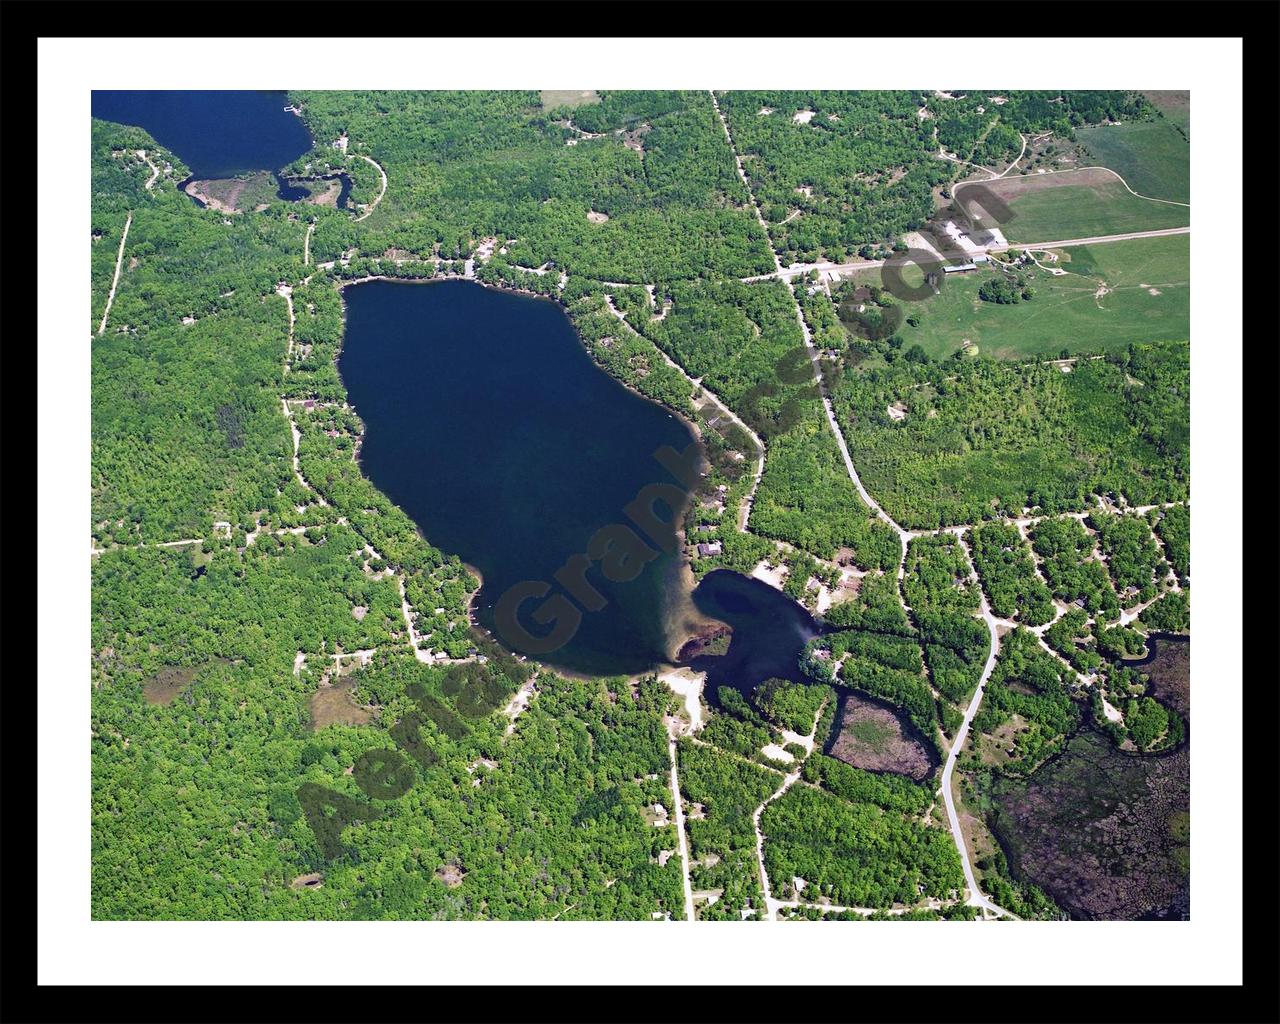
[1175, 104]
[552, 98]
[170, 681]
[1064, 314]
[334, 702]
[874, 737]
[234, 195]
[1087, 203]
[1150, 155]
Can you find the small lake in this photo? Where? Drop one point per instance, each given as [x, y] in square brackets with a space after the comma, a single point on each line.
[217, 133]
[769, 632]
[490, 425]
[297, 190]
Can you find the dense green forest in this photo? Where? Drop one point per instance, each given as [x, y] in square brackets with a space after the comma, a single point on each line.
[186, 429]
[463, 166]
[856, 854]
[722, 793]
[292, 717]
[197, 808]
[1133, 558]
[839, 174]
[981, 437]
[1008, 574]
[1066, 551]
[944, 597]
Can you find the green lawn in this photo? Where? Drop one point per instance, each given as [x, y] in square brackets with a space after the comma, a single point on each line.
[1176, 107]
[1150, 155]
[1085, 211]
[1064, 314]
[552, 98]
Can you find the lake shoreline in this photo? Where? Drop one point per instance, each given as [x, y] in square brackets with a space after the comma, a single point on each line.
[457, 336]
[694, 621]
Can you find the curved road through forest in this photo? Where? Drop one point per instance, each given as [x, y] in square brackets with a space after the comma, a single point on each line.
[1076, 170]
[378, 198]
[976, 897]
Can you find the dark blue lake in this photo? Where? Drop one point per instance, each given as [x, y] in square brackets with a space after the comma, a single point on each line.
[216, 133]
[489, 424]
[770, 631]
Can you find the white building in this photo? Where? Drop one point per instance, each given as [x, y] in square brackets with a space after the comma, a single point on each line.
[987, 238]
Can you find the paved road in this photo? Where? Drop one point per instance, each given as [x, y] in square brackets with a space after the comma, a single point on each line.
[976, 897]
[800, 269]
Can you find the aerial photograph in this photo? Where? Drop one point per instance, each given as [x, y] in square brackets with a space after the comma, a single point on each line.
[640, 505]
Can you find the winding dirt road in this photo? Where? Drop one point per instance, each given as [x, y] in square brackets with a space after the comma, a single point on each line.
[378, 198]
[1076, 170]
[680, 827]
[155, 171]
[976, 897]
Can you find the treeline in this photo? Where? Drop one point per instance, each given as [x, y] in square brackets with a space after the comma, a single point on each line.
[888, 791]
[856, 855]
[980, 437]
[1008, 574]
[463, 166]
[1029, 701]
[721, 794]
[860, 167]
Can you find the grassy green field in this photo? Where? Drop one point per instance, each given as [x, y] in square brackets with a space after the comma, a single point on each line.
[1150, 155]
[552, 98]
[1084, 211]
[1065, 312]
[1176, 107]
